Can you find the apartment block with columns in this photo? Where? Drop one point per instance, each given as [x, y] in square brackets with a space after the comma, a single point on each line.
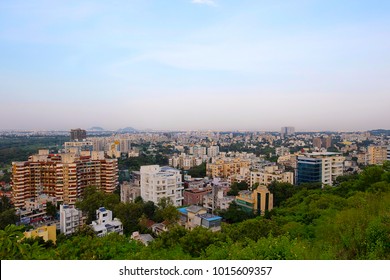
[63, 176]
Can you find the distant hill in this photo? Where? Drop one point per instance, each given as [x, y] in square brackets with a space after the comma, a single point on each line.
[378, 132]
[96, 128]
[127, 130]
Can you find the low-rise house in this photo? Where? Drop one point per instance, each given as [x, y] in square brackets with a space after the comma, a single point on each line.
[46, 232]
[105, 224]
[194, 216]
[195, 195]
[143, 238]
[34, 209]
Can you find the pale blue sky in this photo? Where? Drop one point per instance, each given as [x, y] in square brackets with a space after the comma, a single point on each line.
[202, 64]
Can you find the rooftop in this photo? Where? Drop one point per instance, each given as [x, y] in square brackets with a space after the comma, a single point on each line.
[210, 217]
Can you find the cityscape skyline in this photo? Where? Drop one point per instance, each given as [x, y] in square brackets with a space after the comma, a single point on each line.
[195, 65]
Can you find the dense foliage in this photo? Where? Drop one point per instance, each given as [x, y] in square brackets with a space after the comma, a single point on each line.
[349, 221]
[15, 148]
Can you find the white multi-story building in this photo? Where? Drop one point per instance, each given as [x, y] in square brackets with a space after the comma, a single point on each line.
[320, 167]
[213, 151]
[71, 219]
[161, 182]
[198, 150]
[105, 224]
[282, 151]
[388, 153]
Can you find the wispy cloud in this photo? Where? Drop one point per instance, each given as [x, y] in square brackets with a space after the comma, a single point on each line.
[205, 2]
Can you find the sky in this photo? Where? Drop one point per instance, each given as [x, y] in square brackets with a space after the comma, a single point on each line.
[195, 64]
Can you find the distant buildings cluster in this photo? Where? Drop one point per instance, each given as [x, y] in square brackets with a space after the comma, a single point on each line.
[288, 157]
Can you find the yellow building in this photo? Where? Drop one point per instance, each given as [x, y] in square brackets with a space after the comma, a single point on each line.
[46, 232]
[257, 201]
[224, 168]
[376, 154]
[269, 174]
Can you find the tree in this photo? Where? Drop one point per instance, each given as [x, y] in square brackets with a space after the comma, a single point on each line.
[11, 247]
[197, 240]
[282, 191]
[129, 214]
[51, 209]
[235, 214]
[8, 217]
[167, 211]
[5, 203]
[94, 199]
[198, 171]
[236, 187]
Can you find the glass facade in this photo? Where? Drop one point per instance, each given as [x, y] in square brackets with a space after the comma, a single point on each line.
[309, 170]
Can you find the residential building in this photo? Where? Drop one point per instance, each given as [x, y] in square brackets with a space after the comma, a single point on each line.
[257, 201]
[287, 130]
[161, 182]
[143, 238]
[269, 174]
[194, 196]
[226, 167]
[194, 216]
[197, 151]
[388, 153]
[78, 134]
[129, 191]
[213, 151]
[46, 232]
[34, 209]
[218, 198]
[322, 142]
[319, 167]
[282, 151]
[377, 154]
[105, 224]
[63, 176]
[244, 175]
[71, 219]
[288, 160]
[133, 153]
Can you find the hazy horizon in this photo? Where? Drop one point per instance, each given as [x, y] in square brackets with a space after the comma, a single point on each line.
[195, 65]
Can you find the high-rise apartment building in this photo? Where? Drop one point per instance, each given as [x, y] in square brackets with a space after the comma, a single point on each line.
[64, 176]
[213, 151]
[78, 134]
[322, 142]
[161, 182]
[287, 130]
[319, 167]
